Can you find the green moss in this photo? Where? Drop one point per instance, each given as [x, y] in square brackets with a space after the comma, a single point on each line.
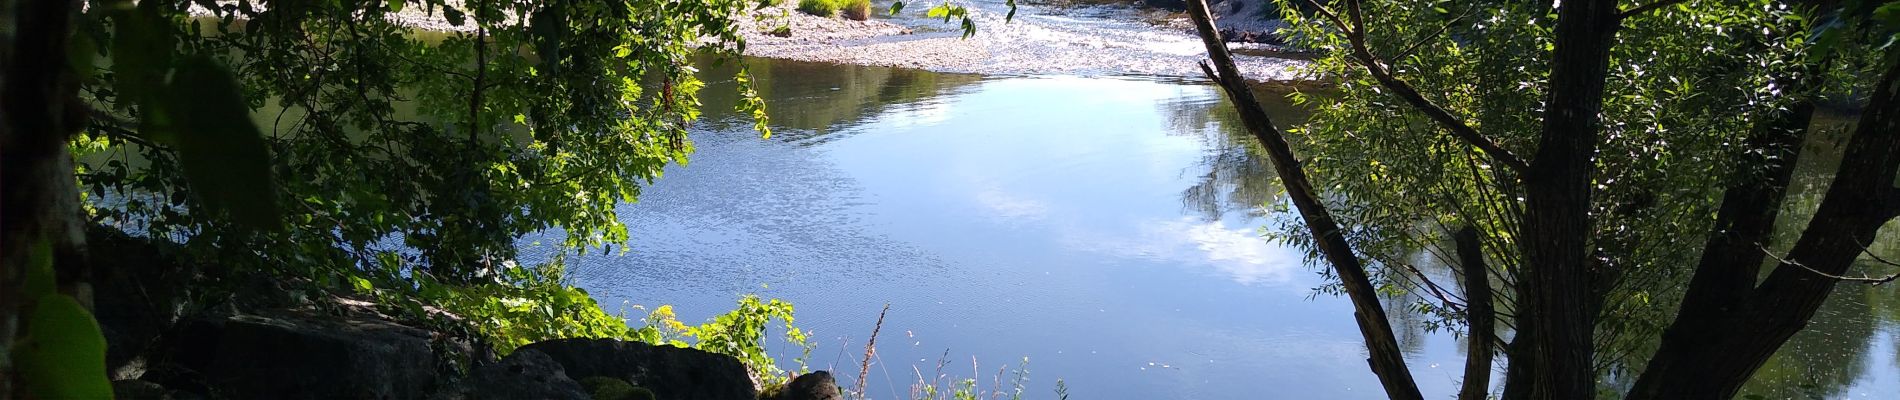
[607, 388]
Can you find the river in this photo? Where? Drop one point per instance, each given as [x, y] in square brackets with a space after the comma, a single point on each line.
[1106, 229]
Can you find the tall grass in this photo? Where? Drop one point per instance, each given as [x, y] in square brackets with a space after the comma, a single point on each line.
[1006, 383]
[858, 10]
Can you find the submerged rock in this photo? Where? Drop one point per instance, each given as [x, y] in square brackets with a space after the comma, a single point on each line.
[669, 372]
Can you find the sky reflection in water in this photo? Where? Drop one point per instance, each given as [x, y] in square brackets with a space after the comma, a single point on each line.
[1106, 229]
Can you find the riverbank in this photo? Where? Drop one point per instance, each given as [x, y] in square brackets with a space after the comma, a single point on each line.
[1070, 39]
[1080, 40]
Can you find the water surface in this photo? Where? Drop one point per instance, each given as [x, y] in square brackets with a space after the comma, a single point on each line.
[1106, 230]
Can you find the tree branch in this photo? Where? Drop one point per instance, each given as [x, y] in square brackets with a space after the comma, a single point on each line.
[1434, 36]
[1862, 279]
[1330, 15]
[103, 123]
[1385, 357]
[1866, 248]
[1356, 38]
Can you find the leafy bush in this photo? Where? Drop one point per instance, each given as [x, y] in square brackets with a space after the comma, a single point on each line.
[524, 305]
[822, 8]
[856, 9]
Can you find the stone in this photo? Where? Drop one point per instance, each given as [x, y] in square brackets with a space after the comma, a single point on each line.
[605, 388]
[525, 374]
[139, 292]
[294, 354]
[134, 389]
[816, 385]
[671, 373]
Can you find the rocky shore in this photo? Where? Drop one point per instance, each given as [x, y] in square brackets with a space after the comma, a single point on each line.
[1111, 40]
[164, 342]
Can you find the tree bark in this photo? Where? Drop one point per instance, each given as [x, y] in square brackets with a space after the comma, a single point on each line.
[1478, 316]
[1712, 359]
[1558, 298]
[1385, 357]
[39, 199]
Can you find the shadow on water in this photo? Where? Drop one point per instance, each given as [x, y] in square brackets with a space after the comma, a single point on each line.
[807, 101]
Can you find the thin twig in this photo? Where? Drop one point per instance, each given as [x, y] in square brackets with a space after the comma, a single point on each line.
[1867, 249]
[1863, 278]
[1434, 36]
[1330, 15]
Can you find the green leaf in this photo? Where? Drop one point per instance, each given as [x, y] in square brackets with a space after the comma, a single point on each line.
[549, 26]
[940, 11]
[141, 53]
[225, 159]
[40, 279]
[896, 7]
[395, 5]
[362, 285]
[455, 17]
[63, 355]
[1888, 15]
[79, 56]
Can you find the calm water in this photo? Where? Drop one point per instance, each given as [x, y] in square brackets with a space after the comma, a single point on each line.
[1105, 229]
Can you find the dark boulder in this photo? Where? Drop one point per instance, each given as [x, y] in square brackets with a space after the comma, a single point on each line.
[134, 389]
[139, 291]
[817, 385]
[303, 355]
[669, 372]
[604, 388]
[525, 374]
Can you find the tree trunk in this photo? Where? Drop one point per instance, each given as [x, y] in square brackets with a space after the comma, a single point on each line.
[1385, 356]
[1737, 244]
[1712, 359]
[39, 197]
[1558, 299]
[1478, 315]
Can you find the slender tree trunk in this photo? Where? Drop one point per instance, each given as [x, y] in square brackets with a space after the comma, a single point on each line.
[1386, 358]
[1713, 358]
[1558, 296]
[39, 199]
[1478, 316]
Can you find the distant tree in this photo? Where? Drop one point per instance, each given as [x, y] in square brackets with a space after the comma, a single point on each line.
[1591, 148]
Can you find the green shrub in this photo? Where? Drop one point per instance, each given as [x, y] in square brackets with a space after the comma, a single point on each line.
[856, 9]
[822, 8]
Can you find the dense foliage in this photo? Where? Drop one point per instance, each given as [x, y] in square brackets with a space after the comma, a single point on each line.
[526, 116]
[399, 150]
[1595, 146]
[1689, 82]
